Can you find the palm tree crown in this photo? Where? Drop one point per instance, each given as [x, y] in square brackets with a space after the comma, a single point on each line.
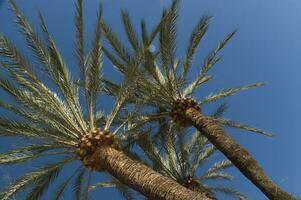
[181, 158]
[161, 79]
[54, 122]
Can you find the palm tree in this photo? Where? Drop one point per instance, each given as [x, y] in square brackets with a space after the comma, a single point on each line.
[163, 84]
[46, 111]
[181, 158]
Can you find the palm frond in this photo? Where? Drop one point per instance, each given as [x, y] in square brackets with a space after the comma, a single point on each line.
[116, 44]
[63, 78]
[125, 191]
[216, 175]
[233, 124]
[59, 192]
[78, 184]
[229, 92]
[194, 41]
[168, 36]
[24, 154]
[230, 192]
[80, 35]
[44, 176]
[129, 30]
[219, 112]
[209, 151]
[224, 164]
[93, 79]
[102, 185]
[212, 58]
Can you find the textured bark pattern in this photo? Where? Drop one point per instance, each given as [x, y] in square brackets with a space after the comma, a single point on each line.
[237, 154]
[141, 178]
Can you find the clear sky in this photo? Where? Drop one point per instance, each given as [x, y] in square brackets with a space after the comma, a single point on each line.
[267, 47]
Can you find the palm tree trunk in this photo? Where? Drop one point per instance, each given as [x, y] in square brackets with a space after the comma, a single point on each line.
[236, 154]
[141, 178]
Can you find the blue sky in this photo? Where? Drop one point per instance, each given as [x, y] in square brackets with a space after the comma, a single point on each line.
[267, 48]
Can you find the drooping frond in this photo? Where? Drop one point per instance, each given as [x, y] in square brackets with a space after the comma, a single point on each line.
[60, 189]
[78, 184]
[24, 154]
[40, 178]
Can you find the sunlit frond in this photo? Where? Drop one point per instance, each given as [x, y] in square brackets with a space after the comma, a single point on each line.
[230, 192]
[93, 78]
[24, 154]
[194, 41]
[228, 92]
[116, 44]
[216, 175]
[63, 78]
[203, 156]
[238, 125]
[213, 57]
[129, 30]
[224, 164]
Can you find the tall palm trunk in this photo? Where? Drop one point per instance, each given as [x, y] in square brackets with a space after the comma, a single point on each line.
[236, 154]
[141, 178]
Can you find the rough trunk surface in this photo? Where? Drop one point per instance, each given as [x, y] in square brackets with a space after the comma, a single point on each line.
[142, 178]
[236, 154]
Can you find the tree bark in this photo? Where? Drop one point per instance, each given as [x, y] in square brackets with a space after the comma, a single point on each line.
[142, 178]
[236, 154]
